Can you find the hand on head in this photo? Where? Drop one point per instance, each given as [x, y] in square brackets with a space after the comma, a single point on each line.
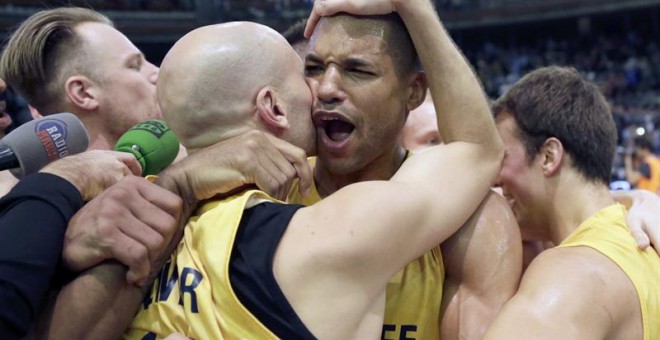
[324, 8]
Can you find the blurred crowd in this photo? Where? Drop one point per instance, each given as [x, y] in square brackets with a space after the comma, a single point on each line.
[625, 66]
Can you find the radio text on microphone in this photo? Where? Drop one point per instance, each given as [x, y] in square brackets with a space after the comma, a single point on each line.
[52, 134]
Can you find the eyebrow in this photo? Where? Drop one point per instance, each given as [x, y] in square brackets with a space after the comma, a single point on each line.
[313, 58]
[349, 62]
[136, 55]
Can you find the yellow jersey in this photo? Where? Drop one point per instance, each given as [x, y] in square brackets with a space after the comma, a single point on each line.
[193, 295]
[608, 233]
[413, 295]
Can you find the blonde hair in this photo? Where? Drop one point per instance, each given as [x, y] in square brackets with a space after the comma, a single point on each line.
[44, 51]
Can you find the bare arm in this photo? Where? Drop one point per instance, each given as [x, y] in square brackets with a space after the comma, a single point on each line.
[562, 296]
[483, 268]
[472, 143]
[249, 158]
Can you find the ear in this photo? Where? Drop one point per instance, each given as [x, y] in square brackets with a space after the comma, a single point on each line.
[34, 112]
[82, 93]
[552, 153]
[271, 112]
[417, 87]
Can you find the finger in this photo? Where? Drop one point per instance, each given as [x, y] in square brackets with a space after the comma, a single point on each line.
[131, 162]
[145, 234]
[305, 175]
[642, 240]
[654, 237]
[311, 24]
[160, 197]
[135, 256]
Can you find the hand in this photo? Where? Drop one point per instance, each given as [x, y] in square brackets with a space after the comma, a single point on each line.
[133, 222]
[92, 172]
[643, 218]
[324, 8]
[250, 158]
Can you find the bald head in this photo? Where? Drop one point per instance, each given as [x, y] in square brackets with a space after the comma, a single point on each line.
[209, 80]
[390, 28]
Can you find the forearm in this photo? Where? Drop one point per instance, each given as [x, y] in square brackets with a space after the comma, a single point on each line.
[33, 219]
[462, 108]
[100, 301]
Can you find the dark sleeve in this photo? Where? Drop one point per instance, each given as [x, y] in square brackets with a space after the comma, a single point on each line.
[645, 170]
[33, 219]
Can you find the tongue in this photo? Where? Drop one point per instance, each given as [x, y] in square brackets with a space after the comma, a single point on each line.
[338, 130]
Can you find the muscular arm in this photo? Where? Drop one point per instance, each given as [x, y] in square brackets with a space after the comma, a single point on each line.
[563, 296]
[483, 262]
[250, 158]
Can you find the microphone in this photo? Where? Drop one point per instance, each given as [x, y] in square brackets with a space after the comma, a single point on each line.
[153, 143]
[38, 142]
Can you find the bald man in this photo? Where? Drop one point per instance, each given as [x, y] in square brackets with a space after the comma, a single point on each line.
[421, 129]
[251, 267]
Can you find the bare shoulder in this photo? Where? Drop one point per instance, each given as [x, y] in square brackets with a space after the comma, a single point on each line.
[579, 279]
[490, 239]
[567, 293]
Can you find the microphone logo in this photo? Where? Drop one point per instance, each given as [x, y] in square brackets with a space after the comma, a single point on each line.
[52, 134]
[155, 127]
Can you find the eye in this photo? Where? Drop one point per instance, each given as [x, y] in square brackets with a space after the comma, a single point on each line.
[312, 70]
[360, 72]
[135, 63]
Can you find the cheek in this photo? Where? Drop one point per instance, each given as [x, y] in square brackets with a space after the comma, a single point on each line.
[513, 170]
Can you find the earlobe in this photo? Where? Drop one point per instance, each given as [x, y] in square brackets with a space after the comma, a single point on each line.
[81, 93]
[553, 156]
[417, 90]
[270, 111]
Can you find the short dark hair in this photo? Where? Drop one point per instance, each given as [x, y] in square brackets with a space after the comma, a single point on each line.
[295, 33]
[557, 102]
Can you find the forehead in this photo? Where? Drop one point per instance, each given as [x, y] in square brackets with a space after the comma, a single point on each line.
[508, 129]
[337, 39]
[105, 39]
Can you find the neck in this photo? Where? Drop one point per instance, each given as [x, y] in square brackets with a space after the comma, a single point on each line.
[575, 200]
[98, 141]
[100, 136]
[381, 169]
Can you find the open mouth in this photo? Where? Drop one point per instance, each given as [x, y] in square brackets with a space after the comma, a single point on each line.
[335, 127]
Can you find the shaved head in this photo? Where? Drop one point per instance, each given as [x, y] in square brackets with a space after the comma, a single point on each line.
[210, 78]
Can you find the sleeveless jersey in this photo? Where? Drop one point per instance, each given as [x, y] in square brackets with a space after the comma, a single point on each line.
[607, 233]
[193, 295]
[413, 295]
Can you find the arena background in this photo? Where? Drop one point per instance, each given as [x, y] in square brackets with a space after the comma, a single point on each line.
[612, 42]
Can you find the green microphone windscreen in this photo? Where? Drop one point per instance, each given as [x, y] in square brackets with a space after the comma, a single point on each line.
[153, 143]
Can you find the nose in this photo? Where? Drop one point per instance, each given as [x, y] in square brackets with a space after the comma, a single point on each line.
[152, 72]
[3, 85]
[329, 89]
[313, 85]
